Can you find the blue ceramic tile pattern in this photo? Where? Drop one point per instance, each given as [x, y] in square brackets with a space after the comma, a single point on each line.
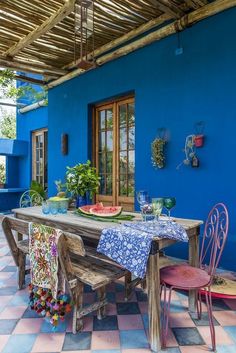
[20, 343]
[80, 341]
[133, 339]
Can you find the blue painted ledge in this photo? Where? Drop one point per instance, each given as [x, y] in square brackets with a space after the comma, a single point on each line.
[15, 148]
[12, 190]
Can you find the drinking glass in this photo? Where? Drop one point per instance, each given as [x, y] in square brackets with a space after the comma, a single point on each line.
[157, 206]
[144, 201]
[142, 197]
[63, 206]
[45, 207]
[54, 208]
[169, 203]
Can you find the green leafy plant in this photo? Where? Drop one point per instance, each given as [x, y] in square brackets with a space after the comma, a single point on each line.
[7, 125]
[9, 89]
[2, 174]
[82, 178]
[158, 157]
[35, 186]
[61, 188]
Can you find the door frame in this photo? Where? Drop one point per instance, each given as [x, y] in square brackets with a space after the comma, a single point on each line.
[115, 166]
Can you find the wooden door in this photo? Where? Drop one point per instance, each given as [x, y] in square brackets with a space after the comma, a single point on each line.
[115, 152]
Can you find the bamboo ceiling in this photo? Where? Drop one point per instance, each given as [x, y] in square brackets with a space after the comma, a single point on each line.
[38, 36]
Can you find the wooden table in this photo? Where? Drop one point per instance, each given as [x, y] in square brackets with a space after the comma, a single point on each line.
[90, 230]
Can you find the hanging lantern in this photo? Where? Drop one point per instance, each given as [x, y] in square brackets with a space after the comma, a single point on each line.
[84, 33]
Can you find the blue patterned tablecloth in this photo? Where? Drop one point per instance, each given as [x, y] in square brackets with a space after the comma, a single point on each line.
[129, 244]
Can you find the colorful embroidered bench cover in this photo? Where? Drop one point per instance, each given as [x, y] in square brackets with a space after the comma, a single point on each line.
[129, 244]
[44, 256]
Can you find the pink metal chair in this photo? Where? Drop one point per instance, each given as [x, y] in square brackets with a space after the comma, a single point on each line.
[187, 277]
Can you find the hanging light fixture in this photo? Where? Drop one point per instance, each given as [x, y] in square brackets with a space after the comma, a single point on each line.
[84, 34]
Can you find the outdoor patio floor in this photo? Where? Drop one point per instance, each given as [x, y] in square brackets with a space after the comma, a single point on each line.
[124, 330]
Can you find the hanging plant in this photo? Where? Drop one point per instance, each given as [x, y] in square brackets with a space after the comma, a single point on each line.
[158, 157]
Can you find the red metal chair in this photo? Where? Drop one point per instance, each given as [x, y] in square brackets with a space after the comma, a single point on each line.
[187, 277]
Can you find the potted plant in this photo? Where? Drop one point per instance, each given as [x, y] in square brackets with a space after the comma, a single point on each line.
[82, 181]
[158, 157]
[2, 175]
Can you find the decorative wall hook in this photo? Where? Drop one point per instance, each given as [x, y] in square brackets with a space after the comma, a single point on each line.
[190, 153]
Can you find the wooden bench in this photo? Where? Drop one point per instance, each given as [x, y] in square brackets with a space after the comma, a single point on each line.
[80, 265]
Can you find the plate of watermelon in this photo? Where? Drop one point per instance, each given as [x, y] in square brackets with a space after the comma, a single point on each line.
[103, 213]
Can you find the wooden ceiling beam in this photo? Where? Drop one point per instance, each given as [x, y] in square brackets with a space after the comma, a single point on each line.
[168, 7]
[30, 80]
[190, 19]
[174, 27]
[53, 20]
[125, 38]
[28, 67]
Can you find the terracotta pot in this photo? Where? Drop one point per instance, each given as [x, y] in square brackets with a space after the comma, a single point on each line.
[199, 140]
[2, 186]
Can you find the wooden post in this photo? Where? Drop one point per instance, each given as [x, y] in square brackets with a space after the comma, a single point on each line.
[101, 297]
[154, 305]
[193, 261]
[21, 269]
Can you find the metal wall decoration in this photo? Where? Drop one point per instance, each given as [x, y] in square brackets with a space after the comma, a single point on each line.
[84, 33]
[192, 142]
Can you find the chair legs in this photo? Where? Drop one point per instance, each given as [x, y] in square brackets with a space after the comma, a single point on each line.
[77, 322]
[199, 305]
[21, 269]
[166, 314]
[210, 316]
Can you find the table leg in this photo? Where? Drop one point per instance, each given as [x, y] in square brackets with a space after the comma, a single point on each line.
[154, 305]
[193, 261]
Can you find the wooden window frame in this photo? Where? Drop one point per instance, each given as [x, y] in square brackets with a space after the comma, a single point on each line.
[36, 133]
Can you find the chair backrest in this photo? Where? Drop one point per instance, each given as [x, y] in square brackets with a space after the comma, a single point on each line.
[10, 224]
[30, 198]
[69, 245]
[214, 237]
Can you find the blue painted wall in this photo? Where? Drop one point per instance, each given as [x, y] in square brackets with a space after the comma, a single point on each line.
[173, 92]
[26, 124]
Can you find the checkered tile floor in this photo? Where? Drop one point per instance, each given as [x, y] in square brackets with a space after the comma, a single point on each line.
[124, 330]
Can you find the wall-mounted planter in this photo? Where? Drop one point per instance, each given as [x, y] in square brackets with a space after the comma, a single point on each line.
[199, 140]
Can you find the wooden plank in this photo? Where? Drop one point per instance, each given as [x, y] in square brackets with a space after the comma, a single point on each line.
[72, 223]
[125, 38]
[168, 7]
[154, 306]
[52, 21]
[31, 67]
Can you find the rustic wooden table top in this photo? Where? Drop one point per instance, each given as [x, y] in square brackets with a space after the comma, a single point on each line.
[76, 221]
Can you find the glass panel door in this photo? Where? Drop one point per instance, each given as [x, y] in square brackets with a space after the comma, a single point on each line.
[126, 153]
[105, 151]
[115, 152]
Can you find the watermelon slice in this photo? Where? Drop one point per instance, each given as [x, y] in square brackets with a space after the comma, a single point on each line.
[105, 211]
[86, 209]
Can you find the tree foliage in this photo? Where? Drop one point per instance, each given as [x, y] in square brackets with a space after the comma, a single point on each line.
[8, 125]
[2, 173]
[9, 89]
